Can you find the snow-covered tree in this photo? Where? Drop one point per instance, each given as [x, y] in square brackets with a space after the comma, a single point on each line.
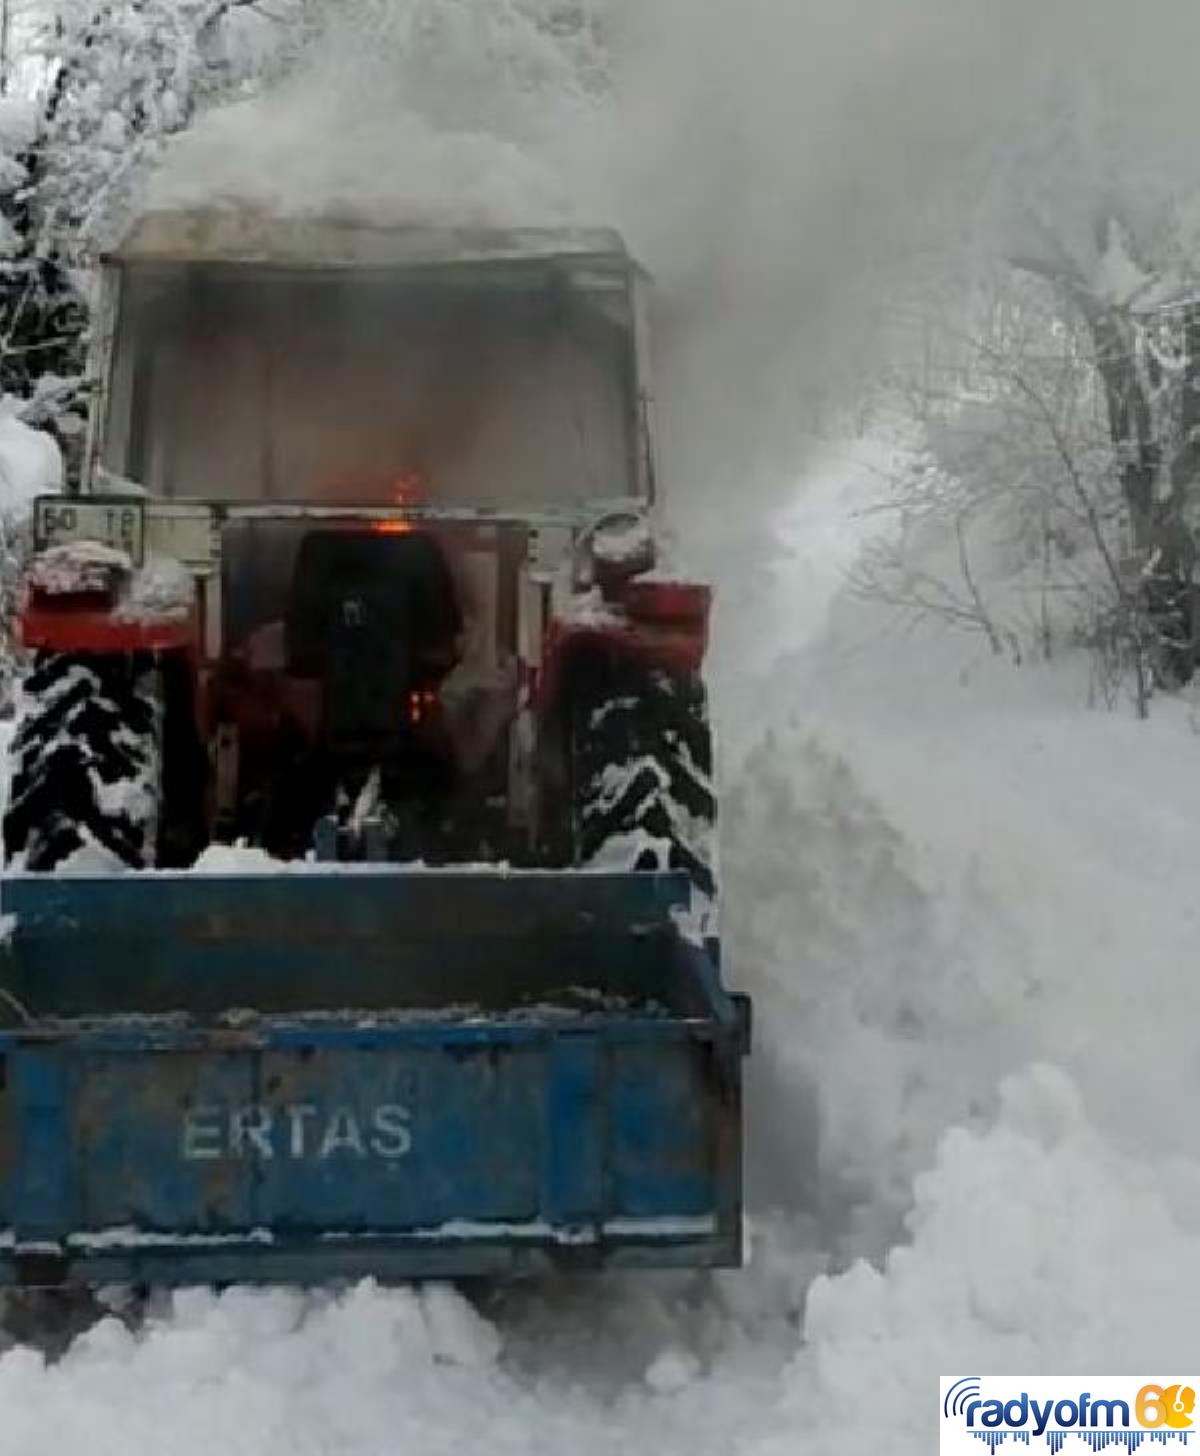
[110, 81]
[1010, 520]
[1100, 198]
[124, 75]
[1077, 186]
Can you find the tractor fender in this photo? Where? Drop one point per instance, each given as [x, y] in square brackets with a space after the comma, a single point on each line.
[85, 598]
[86, 629]
[658, 623]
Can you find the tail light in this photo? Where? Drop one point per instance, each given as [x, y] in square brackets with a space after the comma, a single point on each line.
[421, 703]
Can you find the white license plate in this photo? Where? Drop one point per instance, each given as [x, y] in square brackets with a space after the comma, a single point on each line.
[121, 524]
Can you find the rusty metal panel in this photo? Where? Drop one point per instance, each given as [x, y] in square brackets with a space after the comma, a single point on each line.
[373, 1139]
[134, 1147]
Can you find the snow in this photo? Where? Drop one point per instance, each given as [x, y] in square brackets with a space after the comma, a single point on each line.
[236, 859]
[78, 567]
[672, 1371]
[18, 122]
[943, 868]
[622, 541]
[246, 859]
[130, 1238]
[588, 609]
[30, 462]
[161, 587]
[1020, 1259]
[412, 113]
[88, 860]
[395, 170]
[539, 1231]
[1118, 281]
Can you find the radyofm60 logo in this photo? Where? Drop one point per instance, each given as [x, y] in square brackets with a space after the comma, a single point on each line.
[1099, 1411]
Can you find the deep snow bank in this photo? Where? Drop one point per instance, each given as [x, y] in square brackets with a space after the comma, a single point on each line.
[941, 869]
[1034, 1249]
[30, 463]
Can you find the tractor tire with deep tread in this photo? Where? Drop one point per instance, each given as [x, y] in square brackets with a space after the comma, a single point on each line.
[641, 769]
[86, 761]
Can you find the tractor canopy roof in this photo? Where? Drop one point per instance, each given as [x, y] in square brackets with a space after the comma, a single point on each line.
[244, 237]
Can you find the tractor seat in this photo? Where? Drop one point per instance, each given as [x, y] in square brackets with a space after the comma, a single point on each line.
[373, 617]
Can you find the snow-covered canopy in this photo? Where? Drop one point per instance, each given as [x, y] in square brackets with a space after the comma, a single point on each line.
[252, 235]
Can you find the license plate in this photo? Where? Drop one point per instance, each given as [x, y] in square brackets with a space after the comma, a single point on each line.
[120, 524]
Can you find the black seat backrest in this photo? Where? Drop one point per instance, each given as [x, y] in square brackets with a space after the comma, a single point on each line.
[374, 616]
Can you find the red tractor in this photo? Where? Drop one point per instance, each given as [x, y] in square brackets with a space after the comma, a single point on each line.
[362, 564]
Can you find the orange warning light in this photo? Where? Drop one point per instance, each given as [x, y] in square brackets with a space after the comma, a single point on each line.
[407, 489]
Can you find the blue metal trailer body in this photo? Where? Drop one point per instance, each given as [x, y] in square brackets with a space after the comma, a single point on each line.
[332, 1074]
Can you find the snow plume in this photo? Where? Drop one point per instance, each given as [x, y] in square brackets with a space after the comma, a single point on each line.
[397, 169]
[1033, 1248]
[407, 112]
[938, 870]
[785, 169]
[767, 161]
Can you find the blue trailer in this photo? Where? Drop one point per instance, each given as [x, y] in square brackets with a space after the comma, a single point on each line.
[362, 567]
[357, 1070]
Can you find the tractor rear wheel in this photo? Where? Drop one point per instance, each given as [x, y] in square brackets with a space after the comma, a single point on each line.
[641, 764]
[86, 762]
